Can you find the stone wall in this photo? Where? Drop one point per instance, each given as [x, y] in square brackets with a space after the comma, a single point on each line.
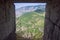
[7, 21]
[52, 21]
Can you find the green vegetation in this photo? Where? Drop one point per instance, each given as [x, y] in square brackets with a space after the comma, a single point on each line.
[30, 25]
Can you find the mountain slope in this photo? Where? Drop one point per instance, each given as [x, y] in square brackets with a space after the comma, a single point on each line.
[31, 24]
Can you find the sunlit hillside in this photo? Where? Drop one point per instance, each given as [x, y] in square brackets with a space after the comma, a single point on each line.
[30, 25]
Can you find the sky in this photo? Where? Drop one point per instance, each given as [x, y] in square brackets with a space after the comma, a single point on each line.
[18, 5]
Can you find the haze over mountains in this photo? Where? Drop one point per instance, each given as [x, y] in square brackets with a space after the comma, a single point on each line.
[24, 9]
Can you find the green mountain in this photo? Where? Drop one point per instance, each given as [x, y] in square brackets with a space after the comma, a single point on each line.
[31, 23]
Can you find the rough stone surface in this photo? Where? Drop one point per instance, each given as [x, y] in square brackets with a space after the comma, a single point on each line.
[52, 21]
[7, 21]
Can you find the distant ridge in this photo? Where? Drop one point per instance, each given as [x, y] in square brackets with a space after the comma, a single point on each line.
[24, 9]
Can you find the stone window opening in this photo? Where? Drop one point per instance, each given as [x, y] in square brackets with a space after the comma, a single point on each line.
[43, 6]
